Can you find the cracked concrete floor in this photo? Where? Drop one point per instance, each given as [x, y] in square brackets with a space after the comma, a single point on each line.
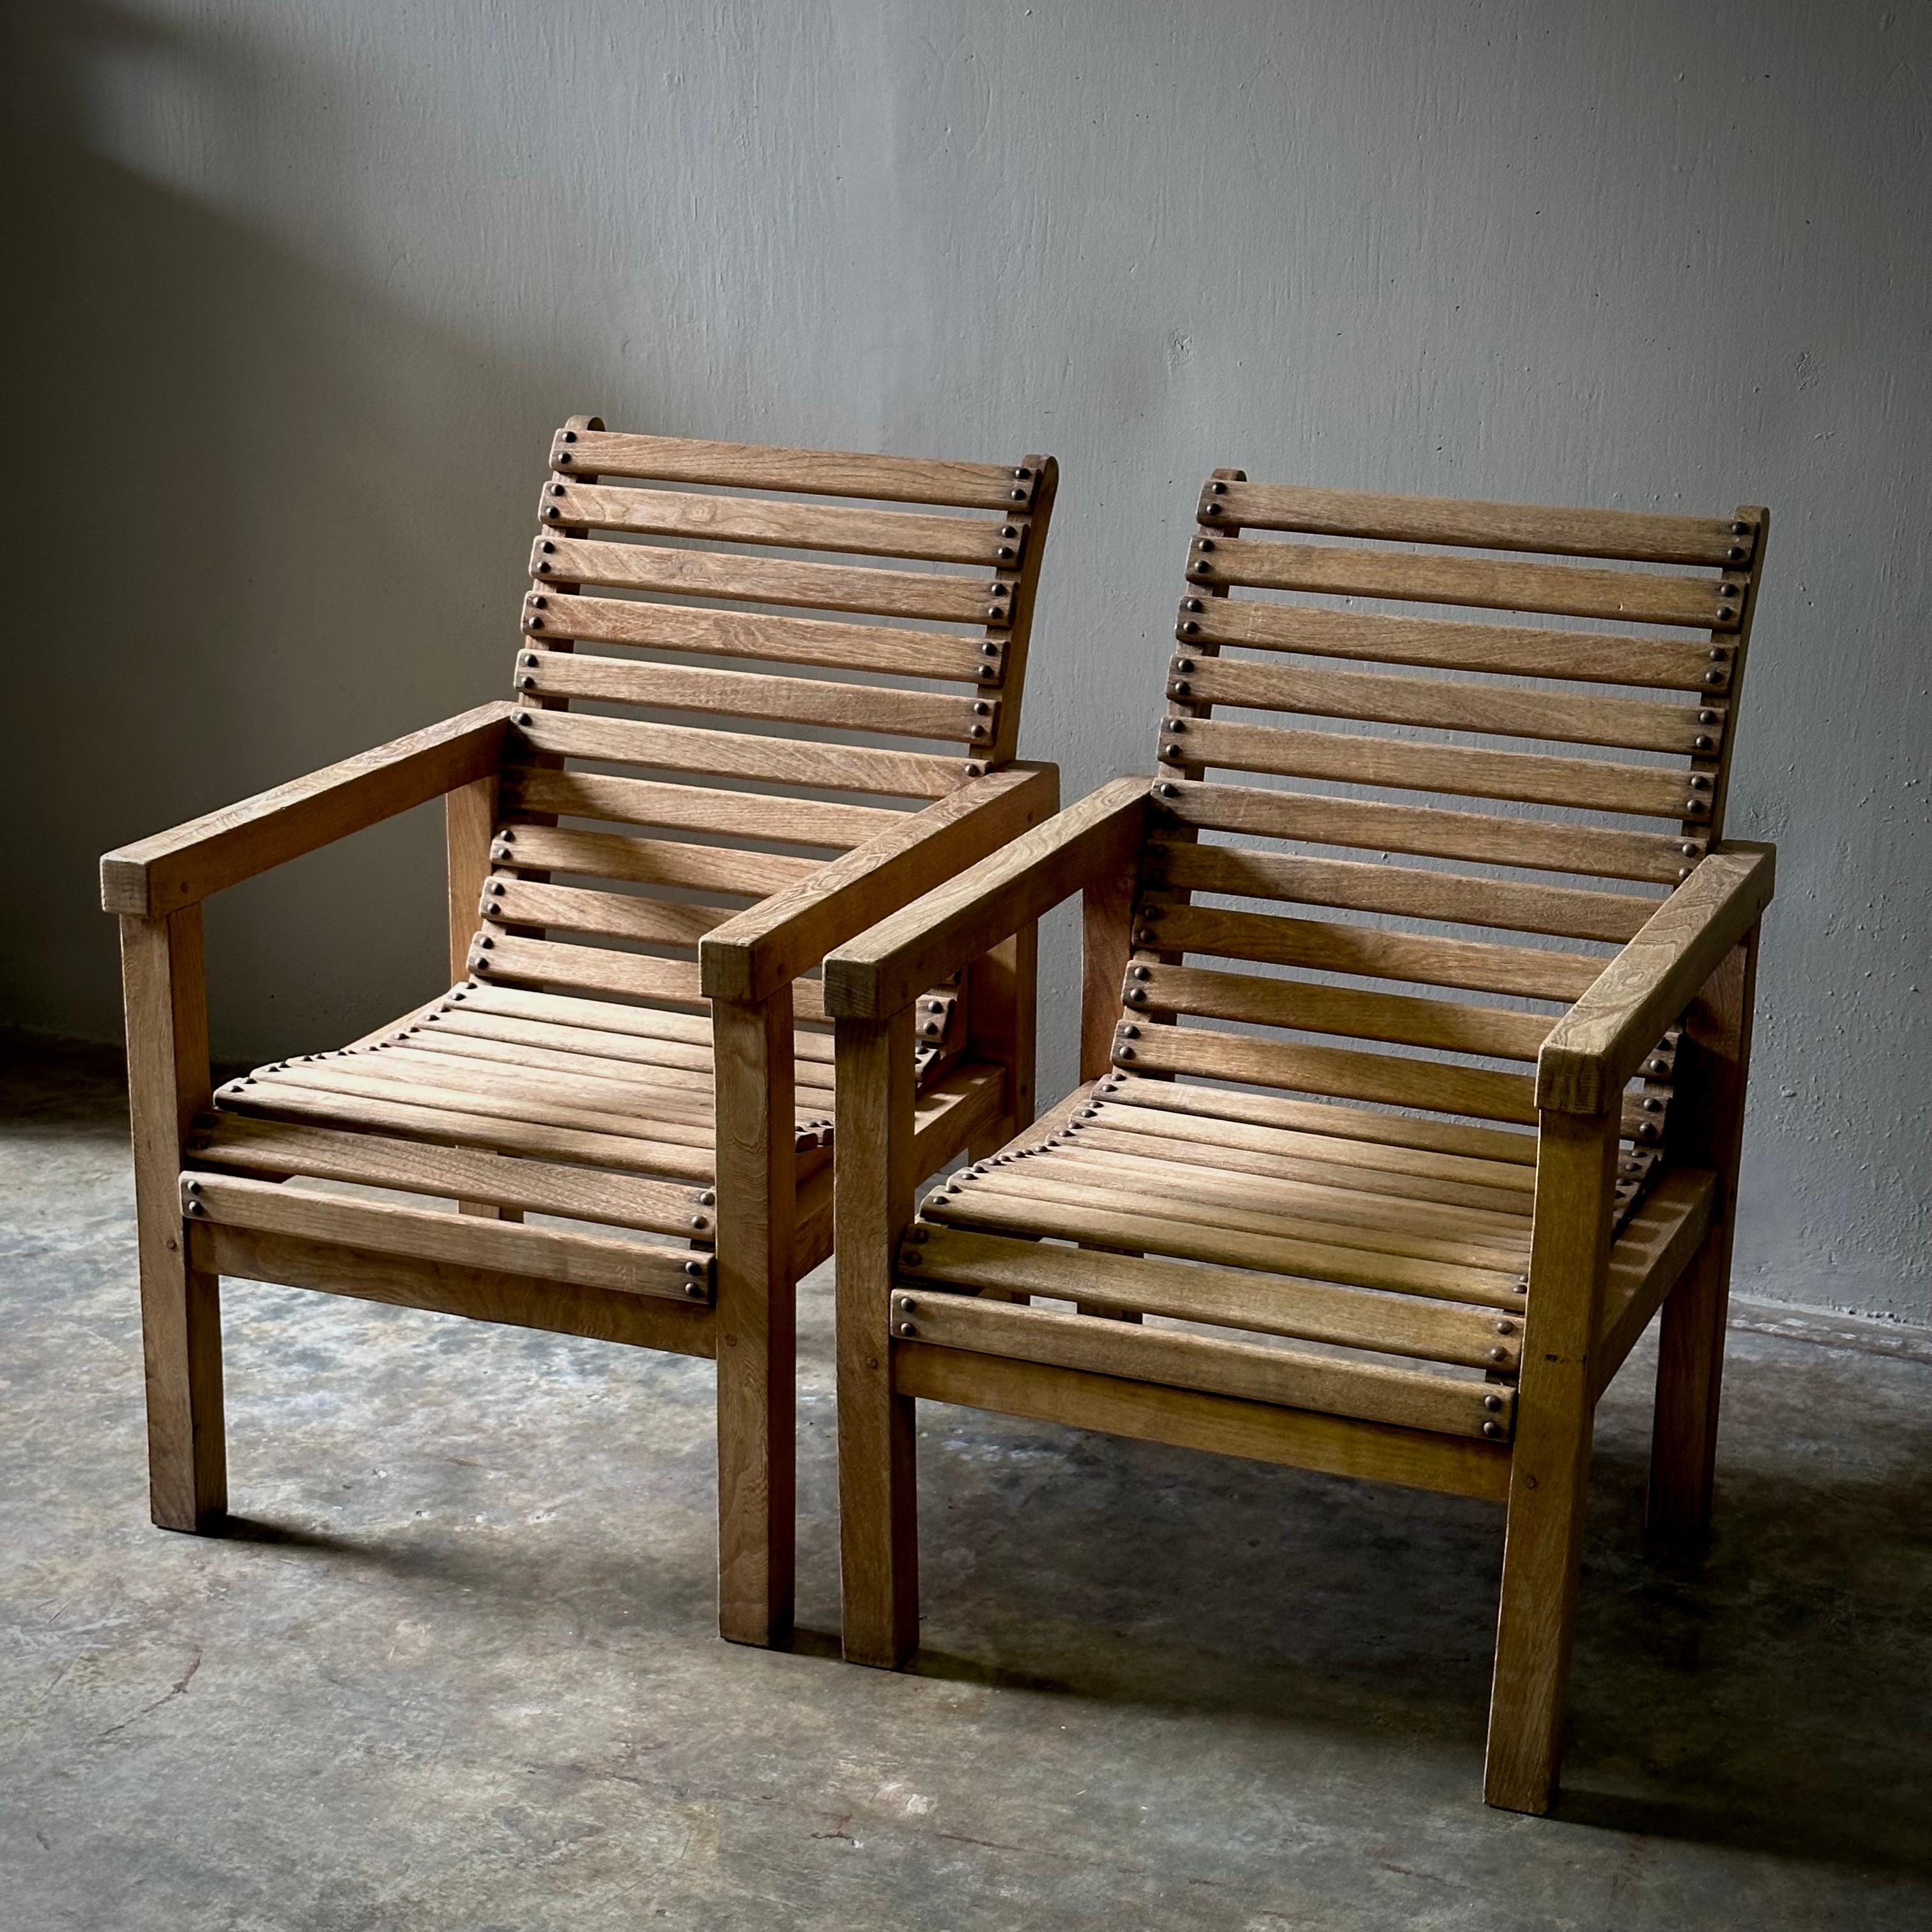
[453, 1668]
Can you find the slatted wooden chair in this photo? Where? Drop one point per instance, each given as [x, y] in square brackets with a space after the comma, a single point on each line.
[637, 1055]
[1405, 1257]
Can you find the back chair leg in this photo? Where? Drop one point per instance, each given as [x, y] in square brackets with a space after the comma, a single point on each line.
[1549, 1465]
[1706, 1130]
[757, 1319]
[877, 1499]
[180, 1310]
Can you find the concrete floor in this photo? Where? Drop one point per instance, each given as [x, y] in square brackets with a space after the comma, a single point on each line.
[454, 1667]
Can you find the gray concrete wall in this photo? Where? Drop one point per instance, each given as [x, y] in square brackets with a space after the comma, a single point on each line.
[303, 285]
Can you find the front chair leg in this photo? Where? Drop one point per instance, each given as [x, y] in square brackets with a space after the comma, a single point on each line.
[180, 1311]
[878, 1518]
[756, 1322]
[1549, 1463]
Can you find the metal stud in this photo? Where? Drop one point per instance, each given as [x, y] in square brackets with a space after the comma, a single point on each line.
[563, 459]
[1717, 654]
[1005, 553]
[570, 436]
[1713, 677]
[1123, 1053]
[975, 771]
[1739, 530]
[1167, 791]
[1017, 496]
[1194, 604]
[989, 649]
[1493, 1430]
[981, 709]
[1009, 530]
[1174, 725]
[1145, 937]
[1702, 744]
[907, 1328]
[1506, 1327]
[1707, 718]
[1204, 543]
[1493, 1403]
[1218, 488]
[1499, 1355]
[1143, 972]
[533, 623]
[1020, 474]
[1211, 509]
[523, 717]
[1131, 1032]
[1690, 851]
[1183, 665]
[700, 1222]
[557, 489]
[1190, 628]
[552, 511]
[694, 1267]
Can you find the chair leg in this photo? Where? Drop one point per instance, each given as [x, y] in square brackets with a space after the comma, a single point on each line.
[756, 1320]
[878, 1512]
[180, 1310]
[1542, 1551]
[1550, 1461]
[1690, 1380]
[1706, 1130]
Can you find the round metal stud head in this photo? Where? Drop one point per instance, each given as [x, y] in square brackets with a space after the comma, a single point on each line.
[908, 1328]
[1493, 1430]
[1493, 1403]
[1499, 1355]
[562, 459]
[1017, 496]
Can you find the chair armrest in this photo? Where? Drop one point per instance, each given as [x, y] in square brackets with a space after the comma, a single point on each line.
[880, 971]
[750, 956]
[157, 876]
[1598, 1045]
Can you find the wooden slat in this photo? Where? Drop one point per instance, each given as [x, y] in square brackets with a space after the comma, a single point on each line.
[1185, 1145]
[1223, 1297]
[1388, 1080]
[1633, 596]
[1187, 1419]
[1489, 838]
[1124, 1183]
[1031, 1216]
[791, 761]
[1448, 1025]
[1449, 704]
[507, 1247]
[482, 1295]
[723, 869]
[655, 1062]
[1457, 899]
[799, 700]
[682, 1116]
[1637, 536]
[668, 513]
[543, 963]
[1463, 771]
[349, 1101]
[756, 580]
[1370, 1193]
[819, 641]
[562, 1019]
[1252, 1371]
[821, 472]
[811, 1051]
[1653, 1251]
[277, 1148]
[514, 901]
[1345, 1123]
[1584, 657]
[745, 815]
[1335, 946]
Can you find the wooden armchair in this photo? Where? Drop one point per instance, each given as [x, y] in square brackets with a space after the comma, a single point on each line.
[635, 1055]
[1426, 1267]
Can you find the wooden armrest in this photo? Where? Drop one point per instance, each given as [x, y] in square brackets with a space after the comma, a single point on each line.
[750, 956]
[1598, 1045]
[160, 875]
[874, 975]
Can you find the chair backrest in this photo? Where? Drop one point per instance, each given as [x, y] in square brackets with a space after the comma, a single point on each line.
[1364, 761]
[648, 570]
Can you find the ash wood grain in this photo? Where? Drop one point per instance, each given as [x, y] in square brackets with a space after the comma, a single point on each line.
[877, 1500]
[1634, 535]
[791, 821]
[795, 929]
[741, 755]
[889, 966]
[1494, 838]
[942, 598]
[575, 1259]
[274, 1147]
[870, 533]
[1456, 771]
[757, 1319]
[1223, 1298]
[1630, 596]
[737, 694]
[154, 876]
[774, 639]
[1442, 644]
[1334, 946]
[448, 1288]
[1449, 705]
[180, 1310]
[1566, 912]
[822, 473]
[1548, 1471]
[1603, 1038]
[1189, 1419]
